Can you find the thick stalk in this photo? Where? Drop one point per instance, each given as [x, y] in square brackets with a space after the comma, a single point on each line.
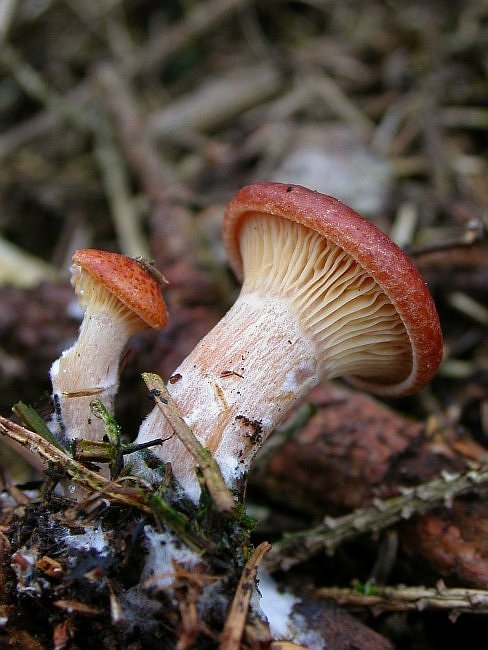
[236, 386]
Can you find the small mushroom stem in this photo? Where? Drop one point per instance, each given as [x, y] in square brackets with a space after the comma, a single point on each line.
[89, 369]
[121, 297]
[236, 386]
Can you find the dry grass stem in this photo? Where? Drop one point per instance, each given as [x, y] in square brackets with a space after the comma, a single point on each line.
[236, 618]
[123, 210]
[402, 598]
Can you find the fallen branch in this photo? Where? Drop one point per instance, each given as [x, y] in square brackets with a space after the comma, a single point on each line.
[402, 598]
[297, 547]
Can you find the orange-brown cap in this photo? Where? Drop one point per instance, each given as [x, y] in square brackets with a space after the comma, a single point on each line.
[128, 281]
[382, 259]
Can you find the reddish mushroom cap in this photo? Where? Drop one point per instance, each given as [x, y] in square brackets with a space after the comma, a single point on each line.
[128, 281]
[387, 264]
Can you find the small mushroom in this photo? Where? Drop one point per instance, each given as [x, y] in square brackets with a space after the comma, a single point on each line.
[120, 297]
[325, 294]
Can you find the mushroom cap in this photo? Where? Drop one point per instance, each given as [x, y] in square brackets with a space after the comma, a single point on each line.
[126, 280]
[381, 258]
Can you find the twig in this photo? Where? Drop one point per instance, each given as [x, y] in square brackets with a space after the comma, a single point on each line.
[23, 134]
[202, 17]
[203, 458]
[21, 269]
[35, 86]
[431, 98]
[297, 547]
[466, 117]
[116, 183]
[337, 100]
[154, 176]
[230, 638]
[468, 306]
[405, 223]
[216, 102]
[78, 472]
[473, 234]
[144, 500]
[402, 598]
[7, 12]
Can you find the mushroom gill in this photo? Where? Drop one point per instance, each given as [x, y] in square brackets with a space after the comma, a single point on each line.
[340, 305]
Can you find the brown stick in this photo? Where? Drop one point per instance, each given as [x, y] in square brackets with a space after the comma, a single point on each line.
[154, 176]
[204, 460]
[78, 472]
[402, 598]
[231, 636]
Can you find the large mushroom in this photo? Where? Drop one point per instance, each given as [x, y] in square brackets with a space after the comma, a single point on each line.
[120, 298]
[325, 294]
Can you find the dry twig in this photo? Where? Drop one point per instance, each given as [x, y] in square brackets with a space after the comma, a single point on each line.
[402, 598]
[37, 87]
[203, 17]
[236, 618]
[124, 214]
[203, 458]
[297, 547]
[78, 473]
[155, 177]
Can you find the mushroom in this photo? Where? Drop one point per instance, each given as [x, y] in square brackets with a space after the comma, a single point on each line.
[325, 294]
[120, 297]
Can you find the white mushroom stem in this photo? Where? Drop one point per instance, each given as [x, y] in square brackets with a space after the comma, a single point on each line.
[88, 370]
[307, 311]
[239, 382]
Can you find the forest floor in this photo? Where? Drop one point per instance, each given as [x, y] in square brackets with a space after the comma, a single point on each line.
[127, 125]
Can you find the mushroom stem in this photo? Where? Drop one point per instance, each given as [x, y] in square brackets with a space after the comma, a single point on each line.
[325, 295]
[121, 297]
[89, 369]
[236, 386]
